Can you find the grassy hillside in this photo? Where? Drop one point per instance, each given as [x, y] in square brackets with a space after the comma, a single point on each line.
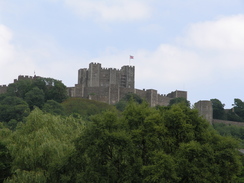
[84, 107]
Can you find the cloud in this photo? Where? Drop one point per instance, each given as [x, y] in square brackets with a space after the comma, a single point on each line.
[110, 10]
[45, 58]
[220, 42]
[6, 49]
[12, 62]
[226, 33]
[209, 53]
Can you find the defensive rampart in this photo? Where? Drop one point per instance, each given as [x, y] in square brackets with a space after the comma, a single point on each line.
[228, 122]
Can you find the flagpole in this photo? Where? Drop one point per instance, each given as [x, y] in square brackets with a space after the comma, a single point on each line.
[130, 57]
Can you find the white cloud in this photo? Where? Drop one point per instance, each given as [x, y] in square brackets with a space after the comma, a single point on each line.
[226, 33]
[208, 54]
[111, 10]
[12, 62]
[6, 49]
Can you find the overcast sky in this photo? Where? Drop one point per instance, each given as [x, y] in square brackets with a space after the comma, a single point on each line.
[192, 45]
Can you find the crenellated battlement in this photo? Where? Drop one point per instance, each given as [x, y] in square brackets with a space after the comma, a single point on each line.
[3, 89]
[25, 77]
[95, 64]
[110, 85]
[96, 76]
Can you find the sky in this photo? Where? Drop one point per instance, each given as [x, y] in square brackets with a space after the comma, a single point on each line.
[191, 45]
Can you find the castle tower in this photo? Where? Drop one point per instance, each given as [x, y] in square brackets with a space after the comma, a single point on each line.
[82, 77]
[127, 79]
[94, 75]
[205, 109]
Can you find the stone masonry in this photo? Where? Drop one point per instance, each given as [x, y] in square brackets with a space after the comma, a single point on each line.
[109, 85]
[205, 109]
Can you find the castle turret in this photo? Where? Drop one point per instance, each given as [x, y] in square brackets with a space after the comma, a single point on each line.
[94, 75]
[82, 77]
[127, 77]
[205, 109]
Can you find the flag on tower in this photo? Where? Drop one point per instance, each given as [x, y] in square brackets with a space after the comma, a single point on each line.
[131, 57]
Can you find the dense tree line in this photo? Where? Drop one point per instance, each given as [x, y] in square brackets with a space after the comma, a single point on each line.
[141, 144]
[25, 94]
[234, 114]
[230, 130]
[86, 141]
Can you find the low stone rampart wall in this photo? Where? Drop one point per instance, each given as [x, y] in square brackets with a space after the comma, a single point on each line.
[228, 122]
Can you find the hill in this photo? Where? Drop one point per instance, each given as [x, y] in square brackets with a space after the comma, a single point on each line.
[84, 107]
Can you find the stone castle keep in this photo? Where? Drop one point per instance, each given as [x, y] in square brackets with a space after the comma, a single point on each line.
[110, 85]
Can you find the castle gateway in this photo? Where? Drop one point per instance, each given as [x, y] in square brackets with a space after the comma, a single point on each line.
[109, 85]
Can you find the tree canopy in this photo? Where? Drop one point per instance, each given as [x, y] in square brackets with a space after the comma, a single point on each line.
[218, 109]
[38, 90]
[153, 145]
[179, 100]
[140, 144]
[121, 105]
[13, 108]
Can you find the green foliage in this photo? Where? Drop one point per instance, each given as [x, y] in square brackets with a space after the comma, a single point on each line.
[53, 107]
[19, 88]
[162, 169]
[146, 144]
[105, 152]
[232, 116]
[121, 105]
[179, 100]
[13, 108]
[5, 162]
[229, 130]
[218, 109]
[41, 145]
[35, 97]
[38, 90]
[12, 124]
[84, 107]
[239, 108]
[23, 176]
[55, 90]
[141, 144]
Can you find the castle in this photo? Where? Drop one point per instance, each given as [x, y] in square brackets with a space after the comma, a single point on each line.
[109, 85]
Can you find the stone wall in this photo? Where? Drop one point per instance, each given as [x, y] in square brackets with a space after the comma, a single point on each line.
[110, 85]
[3, 89]
[177, 94]
[163, 100]
[228, 122]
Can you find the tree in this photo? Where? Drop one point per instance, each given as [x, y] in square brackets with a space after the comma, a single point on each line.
[239, 108]
[104, 153]
[53, 107]
[121, 105]
[35, 97]
[52, 89]
[143, 144]
[179, 100]
[56, 90]
[40, 146]
[19, 88]
[218, 109]
[13, 108]
[5, 162]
